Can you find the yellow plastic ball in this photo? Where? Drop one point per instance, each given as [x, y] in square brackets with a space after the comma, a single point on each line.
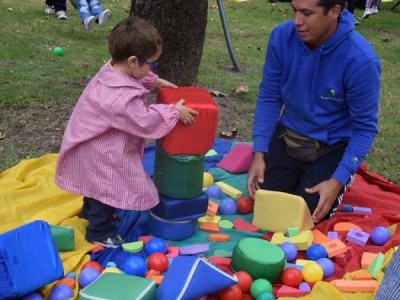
[208, 180]
[312, 272]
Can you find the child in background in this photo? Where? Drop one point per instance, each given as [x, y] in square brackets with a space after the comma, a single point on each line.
[90, 12]
[371, 8]
[102, 148]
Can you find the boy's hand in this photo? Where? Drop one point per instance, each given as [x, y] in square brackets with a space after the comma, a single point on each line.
[186, 115]
[164, 83]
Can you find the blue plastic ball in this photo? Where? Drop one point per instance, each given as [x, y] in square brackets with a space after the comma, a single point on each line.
[156, 245]
[315, 252]
[290, 250]
[87, 276]
[61, 292]
[265, 296]
[327, 266]
[32, 296]
[214, 191]
[227, 206]
[380, 235]
[135, 265]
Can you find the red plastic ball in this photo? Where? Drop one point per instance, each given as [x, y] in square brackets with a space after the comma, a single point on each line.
[158, 261]
[292, 277]
[245, 281]
[245, 205]
[92, 264]
[231, 293]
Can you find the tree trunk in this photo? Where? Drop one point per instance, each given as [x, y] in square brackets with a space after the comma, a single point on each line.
[182, 24]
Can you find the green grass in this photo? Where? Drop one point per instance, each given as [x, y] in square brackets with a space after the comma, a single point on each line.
[31, 74]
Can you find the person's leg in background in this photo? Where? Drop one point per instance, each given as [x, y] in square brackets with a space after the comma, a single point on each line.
[351, 5]
[49, 9]
[60, 7]
[371, 8]
[102, 16]
[85, 15]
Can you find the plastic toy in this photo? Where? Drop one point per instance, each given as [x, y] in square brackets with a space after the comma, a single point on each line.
[32, 296]
[227, 206]
[327, 265]
[245, 281]
[208, 180]
[57, 51]
[259, 286]
[135, 265]
[290, 250]
[380, 235]
[245, 205]
[93, 264]
[291, 277]
[315, 252]
[156, 245]
[87, 276]
[214, 191]
[61, 292]
[312, 272]
[158, 261]
[266, 296]
[231, 293]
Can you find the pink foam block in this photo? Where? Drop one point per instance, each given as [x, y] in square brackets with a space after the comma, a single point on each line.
[237, 160]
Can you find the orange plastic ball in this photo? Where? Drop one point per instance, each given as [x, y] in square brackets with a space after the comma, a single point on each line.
[158, 261]
[245, 281]
[92, 264]
[231, 293]
[292, 277]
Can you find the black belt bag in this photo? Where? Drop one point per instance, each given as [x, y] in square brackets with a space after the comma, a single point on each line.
[305, 149]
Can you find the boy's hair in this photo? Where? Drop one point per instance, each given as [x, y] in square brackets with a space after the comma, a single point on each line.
[328, 4]
[133, 36]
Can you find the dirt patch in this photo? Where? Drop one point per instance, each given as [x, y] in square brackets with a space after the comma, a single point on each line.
[38, 129]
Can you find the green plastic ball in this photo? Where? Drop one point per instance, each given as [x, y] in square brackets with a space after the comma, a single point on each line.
[259, 286]
[57, 51]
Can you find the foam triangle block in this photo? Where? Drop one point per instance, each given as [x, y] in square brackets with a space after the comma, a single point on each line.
[190, 277]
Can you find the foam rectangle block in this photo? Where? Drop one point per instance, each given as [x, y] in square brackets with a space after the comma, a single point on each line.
[277, 211]
[114, 286]
[28, 260]
[181, 209]
[238, 159]
[196, 138]
[178, 176]
[63, 237]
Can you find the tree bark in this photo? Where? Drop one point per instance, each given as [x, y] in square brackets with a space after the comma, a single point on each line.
[182, 24]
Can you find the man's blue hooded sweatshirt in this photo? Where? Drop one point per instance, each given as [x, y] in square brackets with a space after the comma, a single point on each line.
[329, 94]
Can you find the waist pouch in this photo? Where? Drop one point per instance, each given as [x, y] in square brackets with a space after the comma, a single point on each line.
[305, 149]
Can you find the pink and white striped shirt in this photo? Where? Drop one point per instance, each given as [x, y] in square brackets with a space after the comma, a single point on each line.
[103, 144]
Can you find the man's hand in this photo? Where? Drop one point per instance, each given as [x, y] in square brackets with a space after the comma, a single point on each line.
[255, 175]
[328, 192]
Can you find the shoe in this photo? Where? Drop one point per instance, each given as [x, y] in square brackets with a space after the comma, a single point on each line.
[49, 9]
[89, 22]
[374, 10]
[111, 242]
[356, 22]
[367, 13]
[104, 17]
[61, 15]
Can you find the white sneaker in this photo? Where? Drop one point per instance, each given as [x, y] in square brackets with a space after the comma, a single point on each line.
[367, 13]
[49, 9]
[104, 17]
[89, 22]
[61, 15]
[374, 10]
[356, 22]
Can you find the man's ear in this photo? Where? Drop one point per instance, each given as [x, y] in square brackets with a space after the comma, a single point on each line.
[335, 11]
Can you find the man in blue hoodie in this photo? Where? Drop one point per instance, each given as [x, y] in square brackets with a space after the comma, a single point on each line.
[316, 113]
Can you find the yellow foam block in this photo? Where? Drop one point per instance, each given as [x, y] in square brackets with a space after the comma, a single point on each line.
[302, 262]
[215, 219]
[301, 241]
[278, 211]
[229, 190]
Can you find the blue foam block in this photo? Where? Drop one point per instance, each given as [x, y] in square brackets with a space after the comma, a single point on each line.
[171, 230]
[181, 209]
[28, 260]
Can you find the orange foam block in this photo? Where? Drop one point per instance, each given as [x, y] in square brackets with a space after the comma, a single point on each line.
[212, 208]
[363, 275]
[344, 227]
[218, 237]
[355, 285]
[288, 291]
[367, 258]
[209, 227]
[319, 237]
[335, 247]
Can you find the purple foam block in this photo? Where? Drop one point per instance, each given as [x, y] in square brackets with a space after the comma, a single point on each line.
[357, 237]
[194, 249]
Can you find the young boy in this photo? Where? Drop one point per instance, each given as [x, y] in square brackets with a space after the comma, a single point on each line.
[103, 144]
